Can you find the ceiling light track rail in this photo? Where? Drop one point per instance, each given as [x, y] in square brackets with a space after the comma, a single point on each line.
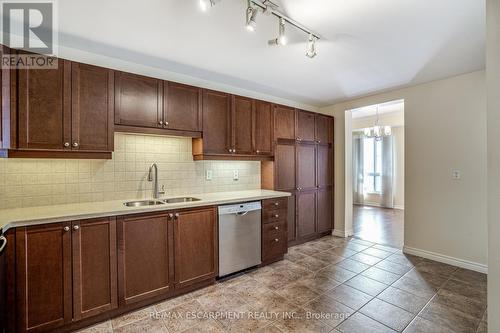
[280, 15]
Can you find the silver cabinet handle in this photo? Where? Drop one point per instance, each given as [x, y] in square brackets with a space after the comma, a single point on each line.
[66, 144]
[170, 216]
[276, 240]
[176, 215]
[276, 203]
[299, 139]
[160, 123]
[4, 243]
[75, 144]
[276, 228]
[230, 150]
[66, 228]
[257, 151]
[76, 227]
[166, 123]
[276, 216]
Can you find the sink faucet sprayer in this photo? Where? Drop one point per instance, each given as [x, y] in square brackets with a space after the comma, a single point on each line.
[156, 191]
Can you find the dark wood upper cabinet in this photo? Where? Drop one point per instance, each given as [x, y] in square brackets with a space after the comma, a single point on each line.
[216, 122]
[138, 100]
[43, 277]
[306, 167]
[92, 108]
[324, 166]
[324, 210]
[241, 124]
[145, 257]
[284, 122]
[306, 214]
[324, 129]
[195, 246]
[94, 267]
[263, 128]
[44, 115]
[285, 167]
[305, 126]
[182, 107]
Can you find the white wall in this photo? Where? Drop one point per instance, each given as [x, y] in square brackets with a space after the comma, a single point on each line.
[445, 129]
[493, 82]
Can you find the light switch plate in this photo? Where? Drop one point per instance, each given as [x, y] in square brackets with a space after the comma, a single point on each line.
[208, 175]
[236, 175]
[455, 175]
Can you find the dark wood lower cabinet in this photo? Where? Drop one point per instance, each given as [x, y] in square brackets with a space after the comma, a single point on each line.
[324, 211]
[145, 257]
[195, 246]
[274, 229]
[43, 277]
[94, 267]
[306, 214]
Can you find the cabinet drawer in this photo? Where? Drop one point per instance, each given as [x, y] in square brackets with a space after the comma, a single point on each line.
[278, 203]
[269, 216]
[274, 230]
[274, 245]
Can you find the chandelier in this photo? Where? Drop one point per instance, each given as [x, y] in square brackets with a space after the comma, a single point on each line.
[377, 132]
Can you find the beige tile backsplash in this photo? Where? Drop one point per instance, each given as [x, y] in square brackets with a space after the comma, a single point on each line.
[39, 182]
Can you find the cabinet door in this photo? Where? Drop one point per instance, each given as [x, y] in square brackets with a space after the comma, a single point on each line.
[324, 210]
[284, 122]
[324, 129]
[285, 167]
[182, 107]
[305, 126]
[263, 128]
[138, 100]
[94, 267]
[92, 107]
[43, 259]
[145, 257]
[44, 107]
[306, 214]
[242, 125]
[216, 122]
[195, 246]
[324, 163]
[306, 166]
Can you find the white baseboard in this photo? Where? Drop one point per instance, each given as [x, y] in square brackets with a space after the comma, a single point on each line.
[342, 233]
[474, 266]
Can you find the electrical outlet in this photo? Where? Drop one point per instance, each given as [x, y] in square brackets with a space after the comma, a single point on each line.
[236, 175]
[455, 175]
[208, 175]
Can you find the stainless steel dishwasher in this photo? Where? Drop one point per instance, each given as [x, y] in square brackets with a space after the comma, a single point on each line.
[239, 237]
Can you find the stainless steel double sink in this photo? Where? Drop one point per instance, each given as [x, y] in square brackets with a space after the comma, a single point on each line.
[144, 203]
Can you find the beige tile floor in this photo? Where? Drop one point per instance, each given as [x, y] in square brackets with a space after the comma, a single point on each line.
[329, 285]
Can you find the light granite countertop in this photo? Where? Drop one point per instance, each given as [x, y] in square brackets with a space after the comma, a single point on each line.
[19, 217]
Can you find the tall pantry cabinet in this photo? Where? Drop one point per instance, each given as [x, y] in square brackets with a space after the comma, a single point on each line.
[303, 166]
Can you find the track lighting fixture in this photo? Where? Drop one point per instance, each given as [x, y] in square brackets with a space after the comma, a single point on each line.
[311, 46]
[281, 39]
[251, 16]
[206, 4]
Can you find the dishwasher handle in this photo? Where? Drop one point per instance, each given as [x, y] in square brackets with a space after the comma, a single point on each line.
[3, 240]
[242, 213]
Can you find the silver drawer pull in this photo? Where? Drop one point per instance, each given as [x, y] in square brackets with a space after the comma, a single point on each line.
[4, 243]
[276, 228]
[66, 228]
[276, 203]
[276, 216]
[76, 227]
[276, 240]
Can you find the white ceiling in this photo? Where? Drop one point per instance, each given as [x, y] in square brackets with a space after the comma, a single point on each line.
[367, 45]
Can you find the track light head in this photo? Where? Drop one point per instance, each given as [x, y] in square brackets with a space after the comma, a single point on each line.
[281, 40]
[206, 4]
[252, 12]
[311, 47]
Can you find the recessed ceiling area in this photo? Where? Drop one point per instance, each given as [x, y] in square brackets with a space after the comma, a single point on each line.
[365, 46]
